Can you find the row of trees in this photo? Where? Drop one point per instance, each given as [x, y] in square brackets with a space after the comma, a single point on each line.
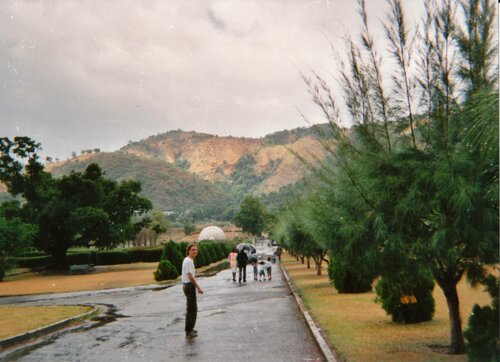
[410, 192]
[80, 209]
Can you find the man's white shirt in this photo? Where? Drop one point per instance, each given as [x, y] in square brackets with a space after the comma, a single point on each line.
[187, 267]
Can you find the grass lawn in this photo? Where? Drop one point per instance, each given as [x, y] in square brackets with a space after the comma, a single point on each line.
[358, 329]
[114, 276]
[18, 319]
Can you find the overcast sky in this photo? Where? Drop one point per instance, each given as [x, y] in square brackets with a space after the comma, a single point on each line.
[95, 74]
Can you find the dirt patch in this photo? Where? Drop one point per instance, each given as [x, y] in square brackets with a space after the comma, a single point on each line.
[116, 276]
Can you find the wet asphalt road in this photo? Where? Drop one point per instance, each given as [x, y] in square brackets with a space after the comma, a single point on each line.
[254, 321]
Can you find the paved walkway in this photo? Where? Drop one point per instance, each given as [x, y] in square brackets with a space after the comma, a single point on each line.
[254, 321]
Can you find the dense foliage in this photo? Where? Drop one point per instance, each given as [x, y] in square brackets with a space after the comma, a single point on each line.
[15, 236]
[172, 253]
[412, 188]
[165, 271]
[80, 209]
[252, 216]
[483, 330]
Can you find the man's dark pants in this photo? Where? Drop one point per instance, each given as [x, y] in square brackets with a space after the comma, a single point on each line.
[191, 306]
[242, 269]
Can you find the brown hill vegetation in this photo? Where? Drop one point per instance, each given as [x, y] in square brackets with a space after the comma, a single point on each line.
[186, 171]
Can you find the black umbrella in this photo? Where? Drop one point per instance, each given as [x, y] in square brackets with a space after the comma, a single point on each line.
[248, 247]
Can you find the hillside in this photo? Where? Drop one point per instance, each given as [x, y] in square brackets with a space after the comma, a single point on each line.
[170, 188]
[204, 175]
[216, 158]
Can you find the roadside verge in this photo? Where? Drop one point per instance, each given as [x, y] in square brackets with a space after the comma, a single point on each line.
[325, 349]
[38, 332]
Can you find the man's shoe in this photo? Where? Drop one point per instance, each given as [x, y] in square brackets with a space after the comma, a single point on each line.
[191, 335]
[194, 331]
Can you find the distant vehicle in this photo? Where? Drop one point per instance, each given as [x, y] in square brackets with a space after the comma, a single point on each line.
[261, 252]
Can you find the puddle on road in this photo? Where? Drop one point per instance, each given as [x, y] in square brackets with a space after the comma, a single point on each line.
[109, 316]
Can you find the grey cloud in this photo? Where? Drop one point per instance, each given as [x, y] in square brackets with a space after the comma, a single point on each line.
[86, 74]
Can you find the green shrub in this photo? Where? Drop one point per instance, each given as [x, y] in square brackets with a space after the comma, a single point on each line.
[171, 253]
[349, 277]
[146, 255]
[165, 271]
[113, 257]
[220, 250]
[482, 333]
[201, 259]
[33, 262]
[89, 257]
[210, 252]
[407, 298]
[32, 253]
[189, 228]
[182, 247]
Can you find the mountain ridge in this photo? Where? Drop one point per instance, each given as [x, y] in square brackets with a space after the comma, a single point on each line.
[187, 170]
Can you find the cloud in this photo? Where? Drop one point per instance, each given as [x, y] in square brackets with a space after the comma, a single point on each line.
[88, 74]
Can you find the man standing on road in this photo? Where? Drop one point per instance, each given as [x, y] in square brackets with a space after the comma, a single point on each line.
[190, 286]
[242, 259]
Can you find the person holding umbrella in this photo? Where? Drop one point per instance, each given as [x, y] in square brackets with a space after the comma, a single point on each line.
[242, 259]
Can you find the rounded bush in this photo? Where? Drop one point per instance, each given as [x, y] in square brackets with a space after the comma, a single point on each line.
[171, 253]
[165, 271]
[349, 277]
[407, 298]
[482, 333]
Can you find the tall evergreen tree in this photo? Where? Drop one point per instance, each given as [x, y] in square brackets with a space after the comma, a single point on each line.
[430, 199]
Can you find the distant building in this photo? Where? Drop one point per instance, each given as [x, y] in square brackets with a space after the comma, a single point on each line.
[212, 233]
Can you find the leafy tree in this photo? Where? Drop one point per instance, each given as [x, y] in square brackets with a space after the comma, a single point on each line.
[80, 209]
[15, 235]
[252, 216]
[189, 228]
[156, 225]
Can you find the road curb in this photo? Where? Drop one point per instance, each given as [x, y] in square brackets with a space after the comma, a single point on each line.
[38, 332]
[325, 349]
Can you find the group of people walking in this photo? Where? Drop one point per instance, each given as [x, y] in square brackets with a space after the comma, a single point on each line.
[238, 261]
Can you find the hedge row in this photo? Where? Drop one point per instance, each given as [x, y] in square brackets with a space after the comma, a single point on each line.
[101, 257]
[209, 252]
[170, 265]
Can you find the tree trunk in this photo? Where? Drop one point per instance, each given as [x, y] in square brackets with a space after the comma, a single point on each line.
[59, 260]
[308, 262]
[457, 344]
[302, 259]
[318, 266]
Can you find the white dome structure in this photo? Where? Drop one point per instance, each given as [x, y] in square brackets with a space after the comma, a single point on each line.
[212, 233]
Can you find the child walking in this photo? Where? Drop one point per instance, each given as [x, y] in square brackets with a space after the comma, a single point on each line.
[269, 268]
[262, 271]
